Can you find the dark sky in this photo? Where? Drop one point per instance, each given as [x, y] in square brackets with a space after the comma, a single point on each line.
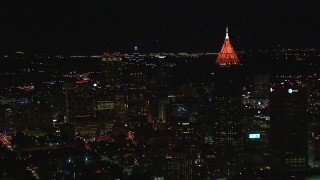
[157, 25]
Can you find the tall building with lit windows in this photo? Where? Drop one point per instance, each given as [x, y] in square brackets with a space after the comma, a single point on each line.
[178, 166]
[136, 88]
[79, 101]
[289, 143]
[7, 125]
[136, 55]
[227, 118]
[111, 89]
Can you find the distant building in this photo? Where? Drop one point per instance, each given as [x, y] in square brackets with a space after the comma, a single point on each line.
[136, 55]
[79, 101]
[314, 146]
[261, 86]
[288, 105]
[110, 91]
[227, 118]
[314, 124]
[7, 124]
[136, 89]
[178, 166]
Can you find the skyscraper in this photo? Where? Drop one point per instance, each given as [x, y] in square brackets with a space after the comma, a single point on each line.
[288, 139]
[112, 90]
[136, 89]
[136, 55]
[79, 102]
[227, 121]
[178, 166]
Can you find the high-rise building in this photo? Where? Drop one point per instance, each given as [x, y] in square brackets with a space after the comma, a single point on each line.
[136, 88]
[227, 118]
[178, 166]
[314, 146]
[314, 124]
[136, 55]
[288, 105]
[7, 125]
[261, 86]
[111, 88]
[79, 101]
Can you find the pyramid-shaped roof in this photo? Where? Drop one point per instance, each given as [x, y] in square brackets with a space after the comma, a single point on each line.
[227, 55]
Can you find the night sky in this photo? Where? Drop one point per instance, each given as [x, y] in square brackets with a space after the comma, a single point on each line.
[157, 25]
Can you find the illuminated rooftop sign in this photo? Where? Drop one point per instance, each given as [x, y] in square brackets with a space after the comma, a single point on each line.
[292, 91]
[254, 136]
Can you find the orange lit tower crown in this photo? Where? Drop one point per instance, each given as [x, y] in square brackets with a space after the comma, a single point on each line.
[227, 55]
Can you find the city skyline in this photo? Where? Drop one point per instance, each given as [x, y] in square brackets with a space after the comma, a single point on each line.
[159, 89]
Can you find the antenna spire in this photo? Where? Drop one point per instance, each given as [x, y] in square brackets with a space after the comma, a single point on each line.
[227, 33]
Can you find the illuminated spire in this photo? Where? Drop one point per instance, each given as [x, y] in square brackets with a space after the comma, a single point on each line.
[227, 34]
[227, 55]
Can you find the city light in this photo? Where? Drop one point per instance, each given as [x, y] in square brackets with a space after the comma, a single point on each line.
[254, 136]
[159, 90]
